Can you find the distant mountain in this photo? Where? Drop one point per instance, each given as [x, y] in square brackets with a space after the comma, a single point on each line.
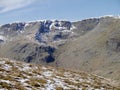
[34, 41]
[21, 76]
[44, 31]
[37, 41]
[91, 45]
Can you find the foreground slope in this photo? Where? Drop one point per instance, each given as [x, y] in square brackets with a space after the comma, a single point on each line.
[22, 76]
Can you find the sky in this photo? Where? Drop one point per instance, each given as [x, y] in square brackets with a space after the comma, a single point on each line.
[73, 10]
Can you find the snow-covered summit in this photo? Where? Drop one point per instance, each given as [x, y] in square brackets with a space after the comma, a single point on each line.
[104, 16]
[50, 31]
[113, 16]
[45, 30]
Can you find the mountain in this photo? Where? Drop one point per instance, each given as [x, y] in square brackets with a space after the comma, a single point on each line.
[97, 51]
[91, 45]
[37, 41]
[22, 76]
[34, 41]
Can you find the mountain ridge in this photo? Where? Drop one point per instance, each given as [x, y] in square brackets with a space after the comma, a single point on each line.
[90, 45]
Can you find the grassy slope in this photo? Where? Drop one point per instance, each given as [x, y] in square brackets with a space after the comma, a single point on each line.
[91, 53]
[22, 76]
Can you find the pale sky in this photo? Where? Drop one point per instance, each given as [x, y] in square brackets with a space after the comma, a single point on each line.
[73, 10]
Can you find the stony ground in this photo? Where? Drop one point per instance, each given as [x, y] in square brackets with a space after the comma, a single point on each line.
[21, 76]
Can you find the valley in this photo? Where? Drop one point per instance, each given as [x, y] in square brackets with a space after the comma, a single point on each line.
[91, 45]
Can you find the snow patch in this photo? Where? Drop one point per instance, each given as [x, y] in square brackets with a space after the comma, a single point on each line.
[73, 27]
[7, 81]
[2, 62]
[23, 80]
[47, 73]
[27, 24]
[44, 68]
[7, 67]
[2, 38]
[49, 85]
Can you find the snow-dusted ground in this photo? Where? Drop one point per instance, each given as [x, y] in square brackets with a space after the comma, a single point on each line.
[21, 76]
[2, 38]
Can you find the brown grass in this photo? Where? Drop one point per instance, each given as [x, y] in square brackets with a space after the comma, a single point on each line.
[59, 88]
